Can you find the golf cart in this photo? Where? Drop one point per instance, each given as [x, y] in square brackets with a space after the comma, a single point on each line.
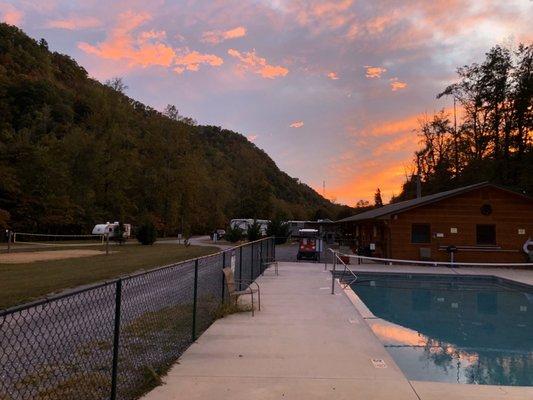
[310, 245]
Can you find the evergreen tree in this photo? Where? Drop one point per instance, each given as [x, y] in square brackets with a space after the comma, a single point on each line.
[378, 202]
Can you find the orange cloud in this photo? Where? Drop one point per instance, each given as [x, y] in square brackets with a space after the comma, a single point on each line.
[399, 125]
[333, 76]
[296, 124]
[74, 23]
[10, 15]
[396, 84]
[386, 174]
[374, 72]
[250, 61]
[379, 156]
[147, 48]
[215, 37]
[191, 60]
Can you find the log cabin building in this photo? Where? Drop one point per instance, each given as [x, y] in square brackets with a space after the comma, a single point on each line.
[484, 222]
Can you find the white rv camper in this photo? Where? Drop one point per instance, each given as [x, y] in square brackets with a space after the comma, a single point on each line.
[111, 229]
[244, 223]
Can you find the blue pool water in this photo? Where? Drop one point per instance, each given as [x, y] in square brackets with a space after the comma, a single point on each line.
[453, 328]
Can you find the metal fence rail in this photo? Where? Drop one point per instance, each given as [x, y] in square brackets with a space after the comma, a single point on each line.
[112, 340]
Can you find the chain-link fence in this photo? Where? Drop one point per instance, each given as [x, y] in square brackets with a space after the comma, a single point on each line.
[113, 340]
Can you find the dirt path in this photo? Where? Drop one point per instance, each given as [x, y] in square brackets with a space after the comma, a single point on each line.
[21, 258]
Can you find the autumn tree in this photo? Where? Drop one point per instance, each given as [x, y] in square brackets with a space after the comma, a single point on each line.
[493, 138]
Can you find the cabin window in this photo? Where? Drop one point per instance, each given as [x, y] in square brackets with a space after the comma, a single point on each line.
[485, 234]
[420, 233]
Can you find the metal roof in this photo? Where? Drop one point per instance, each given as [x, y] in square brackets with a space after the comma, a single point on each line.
[408, 204]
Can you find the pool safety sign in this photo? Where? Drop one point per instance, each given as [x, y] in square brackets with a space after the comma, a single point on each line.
[378, 363]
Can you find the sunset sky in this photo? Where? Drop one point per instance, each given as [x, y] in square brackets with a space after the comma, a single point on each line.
[331, 90]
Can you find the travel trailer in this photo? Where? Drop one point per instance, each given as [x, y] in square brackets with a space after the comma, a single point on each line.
[244, 223]
[112, 230]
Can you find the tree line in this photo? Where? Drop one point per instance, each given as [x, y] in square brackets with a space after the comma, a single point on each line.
[489, 138]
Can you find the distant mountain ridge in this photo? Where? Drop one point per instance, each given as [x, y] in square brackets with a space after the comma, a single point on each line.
[74, 152]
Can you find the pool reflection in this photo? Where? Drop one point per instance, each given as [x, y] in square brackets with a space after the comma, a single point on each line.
[466, 330]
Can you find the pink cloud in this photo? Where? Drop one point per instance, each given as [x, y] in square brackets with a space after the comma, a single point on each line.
[153, 35]
[333, 76]
[396, 84]
[74, 23]
[215, 37]
[10, 15]
[191, 60]
[250, 61]
[374, 72]
[147, 48]
[252, 138]
[296, 124]
[322, 15]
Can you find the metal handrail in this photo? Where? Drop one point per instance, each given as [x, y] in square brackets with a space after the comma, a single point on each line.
[392, 261]
[346, 269]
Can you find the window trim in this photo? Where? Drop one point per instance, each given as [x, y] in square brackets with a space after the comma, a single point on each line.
[429, 233]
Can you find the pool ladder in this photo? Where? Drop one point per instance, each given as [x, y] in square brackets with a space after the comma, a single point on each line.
[346, 271]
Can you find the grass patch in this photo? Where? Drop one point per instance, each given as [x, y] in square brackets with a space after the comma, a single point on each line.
[20, 283]
[160, 337]
[150, 344]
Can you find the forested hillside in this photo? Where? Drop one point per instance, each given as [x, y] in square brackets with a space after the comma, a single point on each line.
[74, 152]
[493, 137]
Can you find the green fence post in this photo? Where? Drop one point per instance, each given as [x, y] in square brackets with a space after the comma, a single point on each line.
[261, 257]
[252, 264]
[195, 300]
[333, 273]
[116, 339]
[223, 278]
[240, 268]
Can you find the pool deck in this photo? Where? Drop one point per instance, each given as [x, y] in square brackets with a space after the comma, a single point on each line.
[304, 344]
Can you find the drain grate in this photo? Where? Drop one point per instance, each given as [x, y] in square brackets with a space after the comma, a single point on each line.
[378, 363]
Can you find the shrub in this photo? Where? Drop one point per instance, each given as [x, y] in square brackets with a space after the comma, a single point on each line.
[254, 231]
[233, 235]
[146, 233]
[278, 229]
[119, 234]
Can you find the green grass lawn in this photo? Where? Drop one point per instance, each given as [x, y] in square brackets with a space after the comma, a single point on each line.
[20, 283]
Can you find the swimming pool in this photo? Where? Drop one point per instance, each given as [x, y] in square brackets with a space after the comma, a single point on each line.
[462, 329]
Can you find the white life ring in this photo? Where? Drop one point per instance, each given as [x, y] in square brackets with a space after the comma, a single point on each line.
[527, 245]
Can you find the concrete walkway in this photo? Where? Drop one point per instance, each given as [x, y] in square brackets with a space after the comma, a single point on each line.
[304, 344]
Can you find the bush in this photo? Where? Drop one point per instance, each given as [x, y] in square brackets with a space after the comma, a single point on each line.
[233, 235]
[279, 229]
[119, 234]
[146, 233]
[254, 232]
